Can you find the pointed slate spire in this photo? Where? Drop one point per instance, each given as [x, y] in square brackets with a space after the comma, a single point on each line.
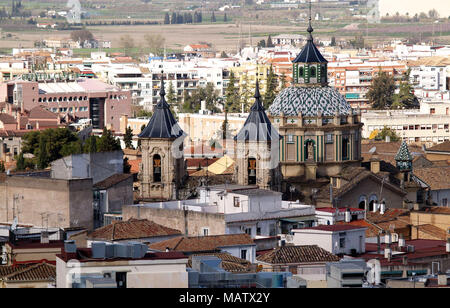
[404, 158]
[257, 127]
[310, 53]
[163, 124]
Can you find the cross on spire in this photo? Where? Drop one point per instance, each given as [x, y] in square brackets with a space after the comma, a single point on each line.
[310, 28]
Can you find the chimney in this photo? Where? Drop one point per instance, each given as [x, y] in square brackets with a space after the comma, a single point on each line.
[185, 211]
[388, 252]
[388, 138]
[442, 279]
[447, 246]
[387, 238]
[382, 207]
[44, 237]
[375, 206]
[401, 242]
[348, 215]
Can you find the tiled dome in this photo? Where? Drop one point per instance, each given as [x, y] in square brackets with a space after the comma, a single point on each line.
[309, 101]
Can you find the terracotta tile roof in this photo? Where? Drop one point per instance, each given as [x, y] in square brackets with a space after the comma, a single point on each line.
[135, 168]
[437, 210]
[37, 272]
[39, 112]
[131, 229]
[437, 233]
[297, 254]
[8, 270]
[112, 180]
[442, 147]
[389, 215]
[7, 119]
[229, 263]
[203, 243]
[434, 176]
[372, 231]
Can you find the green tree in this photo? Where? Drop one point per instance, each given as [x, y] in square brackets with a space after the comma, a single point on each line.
[381, 91]
[405, 98]
[225, 18]
[91, 145]
[271, 88]
[174, 19]
[232, 101]
[20, 164]
[213, 17]
[43, 159]
[283, 82]
[269, 42]
[156, 43]
[333, 41]
[107, 142]
[171, 98]
[2, 167]
[128, 138]
[211, 97]
[126, 166]
[262, 44]
[246, 94]
[387, 132]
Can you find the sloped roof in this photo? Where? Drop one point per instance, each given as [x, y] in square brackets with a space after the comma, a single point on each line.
[434, 176]
[230, 263]
[40, 112]
[297, 254]
[37, 272]
[131, 229]
[442, 147]
[310, 54]
[203, 243]
[162, 124]
[7, 119]
[257, 127]
[112, 180]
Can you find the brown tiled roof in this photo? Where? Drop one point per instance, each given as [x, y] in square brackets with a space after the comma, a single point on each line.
[39, 112]
[371, 231]
[7, 119]
[334, 228]
[437, 210]
[436, 177]
[8, 270]
[354, 176]
[229, 263]
[112, 180]
[297, 254]
[389, 215]
[131, 229]
[437, 233]
[37, 272]
[203, 243]
[202, 162]
[442, 147]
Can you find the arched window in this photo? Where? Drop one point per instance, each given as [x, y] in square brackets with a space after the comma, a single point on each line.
[310, 150]
[313, 72]
[301, 72]
[156, 168]
[362, 202]
[372, 200]
[251, 171]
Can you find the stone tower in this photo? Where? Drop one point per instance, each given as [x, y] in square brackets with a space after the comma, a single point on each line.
[162, 169]
[257, 150]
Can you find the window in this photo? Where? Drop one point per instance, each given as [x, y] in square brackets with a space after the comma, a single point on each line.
[444, 202]
[248, 231]
[432, 110]
[205, 231]
[251, 171]
[258, 231]
[313, 71]
[290, 139]
[236, 202]
[244, 254]
[342, 242]
[329, 138]
[156, 168]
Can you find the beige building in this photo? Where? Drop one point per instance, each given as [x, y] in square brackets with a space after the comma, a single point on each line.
[46, 202]
[429, 125]
[190, 223]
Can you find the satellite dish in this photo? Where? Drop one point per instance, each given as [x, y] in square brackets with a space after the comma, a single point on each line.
[372, 150]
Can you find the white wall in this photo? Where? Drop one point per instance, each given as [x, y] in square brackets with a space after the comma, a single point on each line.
[330, 240]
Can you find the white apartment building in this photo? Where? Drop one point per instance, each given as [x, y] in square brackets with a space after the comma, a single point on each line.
[428, 78]
[429, 125]
[337, 239]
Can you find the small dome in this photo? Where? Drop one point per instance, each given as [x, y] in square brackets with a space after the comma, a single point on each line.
[310, 101]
